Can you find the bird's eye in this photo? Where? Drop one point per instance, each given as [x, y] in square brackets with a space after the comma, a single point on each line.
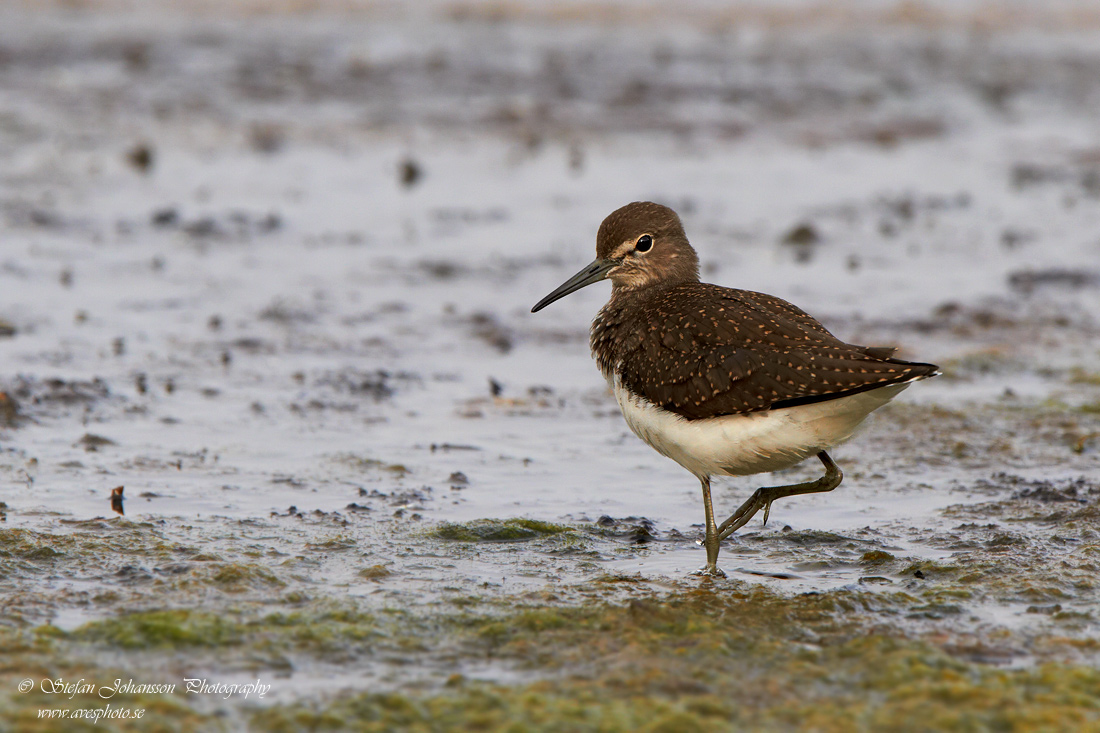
[645, 243]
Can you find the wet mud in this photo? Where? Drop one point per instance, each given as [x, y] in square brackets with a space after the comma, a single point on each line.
[273, 406]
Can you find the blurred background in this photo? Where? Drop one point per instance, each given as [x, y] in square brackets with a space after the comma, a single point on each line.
[269, 264]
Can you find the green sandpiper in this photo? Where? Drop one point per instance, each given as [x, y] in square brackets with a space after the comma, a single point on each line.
[722, 381]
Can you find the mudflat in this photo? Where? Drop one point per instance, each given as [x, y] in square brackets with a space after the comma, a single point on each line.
[268, 268]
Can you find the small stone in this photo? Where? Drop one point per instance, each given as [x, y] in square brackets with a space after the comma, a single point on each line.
[409, 173]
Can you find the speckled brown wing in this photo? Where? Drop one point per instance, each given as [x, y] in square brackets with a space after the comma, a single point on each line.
[770, 304]
[703, 351]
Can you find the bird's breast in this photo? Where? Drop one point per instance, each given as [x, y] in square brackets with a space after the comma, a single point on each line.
[608, 338]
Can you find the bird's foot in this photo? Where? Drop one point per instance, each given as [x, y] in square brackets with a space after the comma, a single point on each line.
[710, 570]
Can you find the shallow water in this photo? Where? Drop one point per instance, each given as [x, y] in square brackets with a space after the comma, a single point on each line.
[316, 295]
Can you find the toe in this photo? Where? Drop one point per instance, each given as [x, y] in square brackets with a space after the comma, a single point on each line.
[711, 570]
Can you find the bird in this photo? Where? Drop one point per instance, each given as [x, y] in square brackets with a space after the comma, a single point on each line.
[725, 382]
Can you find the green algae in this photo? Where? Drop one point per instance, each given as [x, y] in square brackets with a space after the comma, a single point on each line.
[918, 693]
[694, 657]
[375, 572]
[875, 558]
[319, 629]
[178, 628]
[332, 544]
[47, 653]
[85, 540]
[239, 577]
[1080, 375]
[497, 530]
[704, 660]
[334, 634]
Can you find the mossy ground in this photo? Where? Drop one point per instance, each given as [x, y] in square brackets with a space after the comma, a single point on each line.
[276, 283]
[495, 530]
[696, 657]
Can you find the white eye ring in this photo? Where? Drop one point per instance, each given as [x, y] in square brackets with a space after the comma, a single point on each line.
[645, 243]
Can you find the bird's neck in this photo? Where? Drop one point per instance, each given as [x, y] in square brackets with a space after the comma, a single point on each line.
[634, 290]
[621, 324]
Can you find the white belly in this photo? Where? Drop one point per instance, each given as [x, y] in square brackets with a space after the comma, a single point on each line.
[758, 442]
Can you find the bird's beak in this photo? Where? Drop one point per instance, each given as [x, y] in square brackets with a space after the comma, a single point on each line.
[597, 270]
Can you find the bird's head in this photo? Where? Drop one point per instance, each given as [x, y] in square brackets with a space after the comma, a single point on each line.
[639, 245]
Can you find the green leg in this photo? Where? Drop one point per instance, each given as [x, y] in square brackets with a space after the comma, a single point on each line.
[711, 541]
[763, 498]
